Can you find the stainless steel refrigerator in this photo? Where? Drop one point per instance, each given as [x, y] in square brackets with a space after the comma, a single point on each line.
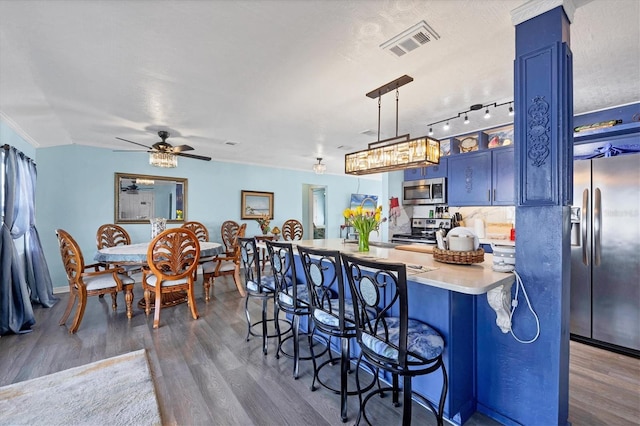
[605, 252]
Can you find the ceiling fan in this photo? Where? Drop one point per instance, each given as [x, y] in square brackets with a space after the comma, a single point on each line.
[165, 147]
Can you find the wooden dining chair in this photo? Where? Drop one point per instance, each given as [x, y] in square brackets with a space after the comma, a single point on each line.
[292, 230]
[111, 235]
[227, 263]
[199, 229]
[172, 257]
[88, 280]
[202, 233]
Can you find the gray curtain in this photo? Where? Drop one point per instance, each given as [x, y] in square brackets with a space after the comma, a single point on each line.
[17, 206]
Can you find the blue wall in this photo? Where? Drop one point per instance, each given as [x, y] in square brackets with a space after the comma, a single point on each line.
[10, 137]
[75, 192]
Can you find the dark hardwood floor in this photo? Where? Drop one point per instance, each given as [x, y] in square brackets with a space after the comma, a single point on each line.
[206, 373]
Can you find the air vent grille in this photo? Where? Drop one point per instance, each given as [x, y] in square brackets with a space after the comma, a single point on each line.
[410, 39]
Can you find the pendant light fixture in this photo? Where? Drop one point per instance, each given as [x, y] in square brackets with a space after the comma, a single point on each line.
[398, 153]
[319, 168]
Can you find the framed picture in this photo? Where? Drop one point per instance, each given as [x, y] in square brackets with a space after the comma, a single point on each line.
[255, 204]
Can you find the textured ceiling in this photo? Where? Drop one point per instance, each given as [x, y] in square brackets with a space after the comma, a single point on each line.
[283, 80]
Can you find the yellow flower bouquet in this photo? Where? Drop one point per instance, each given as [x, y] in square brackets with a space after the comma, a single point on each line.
[364, 221]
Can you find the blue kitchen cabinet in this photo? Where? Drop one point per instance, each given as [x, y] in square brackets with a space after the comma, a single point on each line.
[418, 173]
[469, 179]
[481, 178]
[502, 177]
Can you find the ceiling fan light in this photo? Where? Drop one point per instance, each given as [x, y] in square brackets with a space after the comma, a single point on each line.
[163, 159]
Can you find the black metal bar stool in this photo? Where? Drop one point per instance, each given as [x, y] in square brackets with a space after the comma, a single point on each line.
[261, 288]
[404, 347]
[292, 298]
[331, 316]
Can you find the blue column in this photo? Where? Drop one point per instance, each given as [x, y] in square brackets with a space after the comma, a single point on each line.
[528, 383]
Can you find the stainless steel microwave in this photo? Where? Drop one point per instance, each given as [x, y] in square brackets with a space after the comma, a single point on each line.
[425, 191]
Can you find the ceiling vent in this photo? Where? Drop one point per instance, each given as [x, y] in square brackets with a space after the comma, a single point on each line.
[410, 39]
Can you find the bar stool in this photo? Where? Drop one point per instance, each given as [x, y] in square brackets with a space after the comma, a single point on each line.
[292, 298]
[331, 316]
[261, 288]
[404, 347]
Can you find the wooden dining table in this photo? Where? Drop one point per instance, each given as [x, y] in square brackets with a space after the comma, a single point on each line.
[136, 254]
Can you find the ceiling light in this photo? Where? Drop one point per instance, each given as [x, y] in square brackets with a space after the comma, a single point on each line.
[393, 154]
[319, 168]
[163, 159]
[511, 113]
[474, 107]
[396, 153]
[144, 181]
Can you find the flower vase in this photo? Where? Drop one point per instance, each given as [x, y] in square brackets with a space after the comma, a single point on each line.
[363, 241]
[158, 225]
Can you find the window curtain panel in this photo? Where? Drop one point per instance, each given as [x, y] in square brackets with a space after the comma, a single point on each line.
[17, 206]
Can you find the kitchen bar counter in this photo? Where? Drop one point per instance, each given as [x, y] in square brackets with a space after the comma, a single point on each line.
[474, 279]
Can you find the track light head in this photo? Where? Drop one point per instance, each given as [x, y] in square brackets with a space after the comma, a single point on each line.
[511, 113]
[466, 119]
[486, 113]
[430, 131]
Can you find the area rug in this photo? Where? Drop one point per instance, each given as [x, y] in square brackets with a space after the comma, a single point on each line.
[114, 391]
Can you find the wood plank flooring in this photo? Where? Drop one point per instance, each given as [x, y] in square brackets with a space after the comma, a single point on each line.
[206, 373]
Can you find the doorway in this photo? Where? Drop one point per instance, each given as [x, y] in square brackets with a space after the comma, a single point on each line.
[316, 218]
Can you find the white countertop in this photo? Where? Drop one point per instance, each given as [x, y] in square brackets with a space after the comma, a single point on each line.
[477, 278]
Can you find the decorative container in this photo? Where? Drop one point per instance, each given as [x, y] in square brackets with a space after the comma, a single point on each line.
[158, 225]
[459, 257]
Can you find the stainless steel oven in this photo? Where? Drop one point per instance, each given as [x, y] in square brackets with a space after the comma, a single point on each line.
[425, 191]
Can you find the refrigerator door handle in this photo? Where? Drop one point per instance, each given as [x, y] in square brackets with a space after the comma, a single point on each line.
[583, 224]
[597, 226]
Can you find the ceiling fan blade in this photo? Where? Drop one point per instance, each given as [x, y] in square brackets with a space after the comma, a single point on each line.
[181, 148]
[197, 157]
[136, 143]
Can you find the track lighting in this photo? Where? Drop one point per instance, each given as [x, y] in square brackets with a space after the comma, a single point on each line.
[474, 107]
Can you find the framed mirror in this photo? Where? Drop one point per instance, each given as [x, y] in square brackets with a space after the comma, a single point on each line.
[138, 198]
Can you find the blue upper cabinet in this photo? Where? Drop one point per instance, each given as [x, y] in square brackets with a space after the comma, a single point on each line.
[503, 177]
[469, 179]
[418, 173]
[482, 178]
